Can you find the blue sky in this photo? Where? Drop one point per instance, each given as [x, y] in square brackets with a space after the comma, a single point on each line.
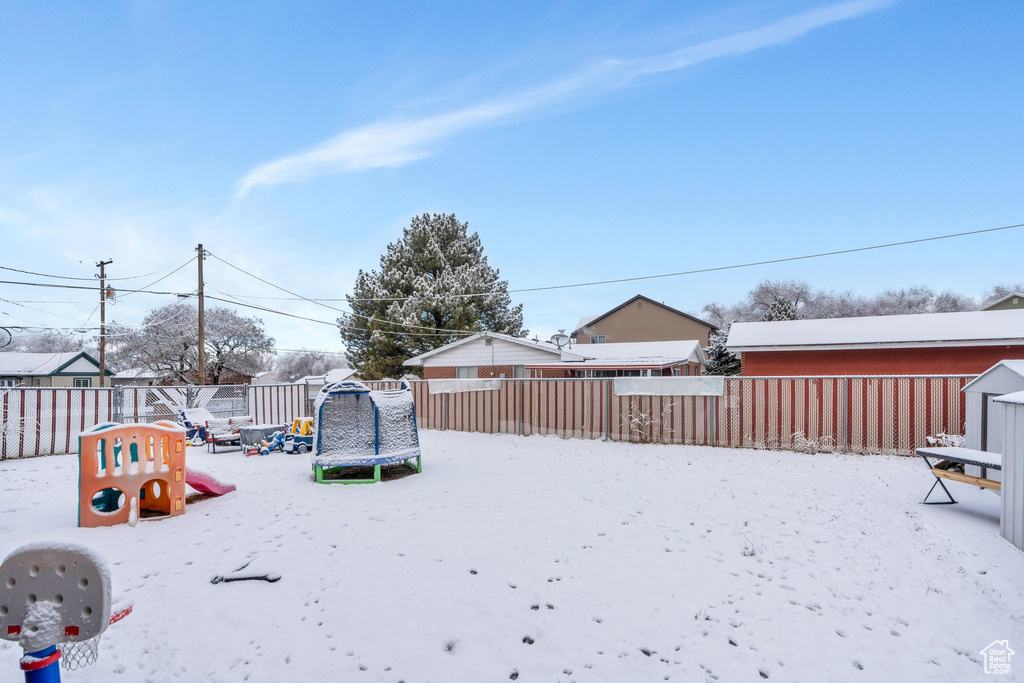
[583, 141]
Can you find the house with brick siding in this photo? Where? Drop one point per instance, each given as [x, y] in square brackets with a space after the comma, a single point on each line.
[967, 342]
[493, 355]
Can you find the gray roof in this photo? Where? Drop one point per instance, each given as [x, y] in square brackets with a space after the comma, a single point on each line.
[19, 364]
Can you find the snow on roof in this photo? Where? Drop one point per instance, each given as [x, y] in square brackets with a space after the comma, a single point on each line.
[1016, 397]
[16, 363]
[138, 373]
[951, 329]
[584, 321]
[339, 374]
[631, 353]
[330, 377]
[418, 360]
[1016, 366]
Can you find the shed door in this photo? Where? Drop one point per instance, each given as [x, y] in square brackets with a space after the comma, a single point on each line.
[992, 417]
[993, 421]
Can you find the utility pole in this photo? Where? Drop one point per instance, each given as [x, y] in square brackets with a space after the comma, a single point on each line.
[103, 321]
[202, 320]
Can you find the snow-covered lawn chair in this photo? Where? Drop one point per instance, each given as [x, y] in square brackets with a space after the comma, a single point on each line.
[214, 431]
[356, 427]
[226, 431]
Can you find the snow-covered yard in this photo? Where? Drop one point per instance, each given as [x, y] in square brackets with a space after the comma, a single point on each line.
[540, 559]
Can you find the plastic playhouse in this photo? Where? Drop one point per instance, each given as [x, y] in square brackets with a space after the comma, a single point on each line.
[356, 427]
[299, 438]
[125, 470]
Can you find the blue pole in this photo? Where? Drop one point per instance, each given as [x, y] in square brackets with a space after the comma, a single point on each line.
[47, 674]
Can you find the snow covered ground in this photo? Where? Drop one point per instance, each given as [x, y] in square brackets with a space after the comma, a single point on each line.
[540, 559]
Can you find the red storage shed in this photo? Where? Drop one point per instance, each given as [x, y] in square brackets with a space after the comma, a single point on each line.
[926, 344]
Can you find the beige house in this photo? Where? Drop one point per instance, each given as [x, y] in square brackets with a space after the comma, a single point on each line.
[76, 369]
[641, 320]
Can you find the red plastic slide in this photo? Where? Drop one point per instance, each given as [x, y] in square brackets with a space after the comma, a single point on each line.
[204, 483]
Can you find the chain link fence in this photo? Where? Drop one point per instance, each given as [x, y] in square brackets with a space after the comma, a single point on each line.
[149, 404]
[871, 414]
[862, 414]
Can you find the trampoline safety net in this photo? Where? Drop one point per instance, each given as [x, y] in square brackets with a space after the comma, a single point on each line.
[356, 426]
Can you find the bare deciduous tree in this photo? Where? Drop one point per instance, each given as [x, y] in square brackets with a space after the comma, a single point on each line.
[51, 341]
[296, 364]
[813, 303]
[168, 339]
[166, 343]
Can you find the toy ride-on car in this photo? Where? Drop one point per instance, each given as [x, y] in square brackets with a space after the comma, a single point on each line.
[299, 438]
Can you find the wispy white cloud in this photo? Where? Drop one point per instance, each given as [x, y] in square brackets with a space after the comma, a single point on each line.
[398, 142]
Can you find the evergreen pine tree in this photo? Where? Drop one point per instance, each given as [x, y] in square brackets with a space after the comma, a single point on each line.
[420, 291]
[720, 361]
[780, 309]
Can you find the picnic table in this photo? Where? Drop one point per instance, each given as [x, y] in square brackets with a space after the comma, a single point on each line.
[947, 456]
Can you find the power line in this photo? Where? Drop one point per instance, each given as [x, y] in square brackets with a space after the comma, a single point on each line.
[712, 269]
[146, 287]
[91, 289]
[37, 310]
[787, 259]
[89, 279]
[334, 308]
[335, 324]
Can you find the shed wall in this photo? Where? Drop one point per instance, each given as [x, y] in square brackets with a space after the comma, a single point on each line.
[1011, 524]
[969, 360]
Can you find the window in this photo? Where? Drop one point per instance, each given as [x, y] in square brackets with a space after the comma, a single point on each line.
[82, 382]
[10, 382]
[466, 372]
[675, 372]
[598, 339]
[519, 371]
[687, 370]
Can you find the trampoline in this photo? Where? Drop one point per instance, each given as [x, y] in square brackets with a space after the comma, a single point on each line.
[357, 427]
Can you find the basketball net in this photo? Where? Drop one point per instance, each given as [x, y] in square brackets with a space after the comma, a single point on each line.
[79, 655]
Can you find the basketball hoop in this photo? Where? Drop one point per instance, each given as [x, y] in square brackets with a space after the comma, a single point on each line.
[56, 604]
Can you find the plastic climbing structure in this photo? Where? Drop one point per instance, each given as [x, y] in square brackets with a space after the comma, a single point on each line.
[124, 470]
